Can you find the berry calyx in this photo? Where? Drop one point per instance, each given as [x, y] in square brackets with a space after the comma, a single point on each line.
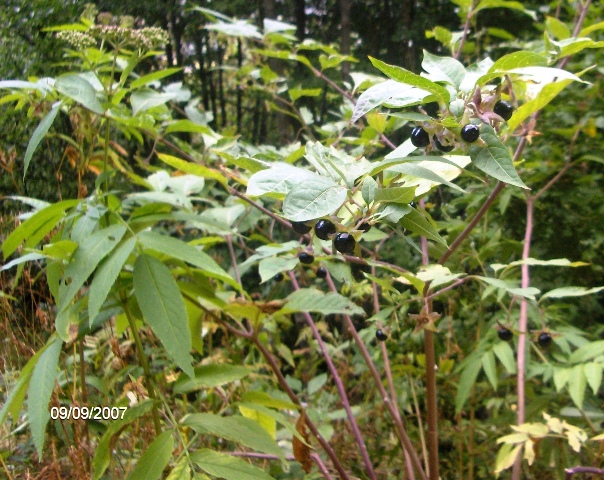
[432, 109]
[545, 339]
[441, 147]
[380, 335]
[344, 242]
[324, 228]
[420, 138]
[306, 258]
[278, 277]
[470, 133]
[503, 109]
[321, 272]
[365, 227]
[505, 334]
[301, 228]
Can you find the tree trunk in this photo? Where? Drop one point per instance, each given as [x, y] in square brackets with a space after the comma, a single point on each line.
[345, 33]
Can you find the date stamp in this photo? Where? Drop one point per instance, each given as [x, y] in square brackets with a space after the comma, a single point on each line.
[87, 413]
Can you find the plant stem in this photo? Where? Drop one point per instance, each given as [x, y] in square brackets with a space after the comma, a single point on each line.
[571, 471]
[339, 385]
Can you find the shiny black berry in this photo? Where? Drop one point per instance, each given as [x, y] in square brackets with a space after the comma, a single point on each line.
[306, 258]
[503, 109]
[344, 242]
[432, 109]
[321, 272]
[324, 228]
[420, 138]
[301, 227]
[545, 339]
[505, 334]
[380, 335]
[441, 147]
[470, 133]
[412, 204]
[278, 277]
[365, 227]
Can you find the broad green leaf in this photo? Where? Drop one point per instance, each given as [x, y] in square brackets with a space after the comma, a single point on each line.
[40, 390]
[394, 195]
[269, 267]
[587, 352]
[409, 78]
[489, 367]
[557, 28]
[561, 376]
[520, 59]
[444, 69]
[209, 376]
[28, 257]
[369, 189]
[506, 457]
[494, 159]
[419, 225]
[337, 164]
[186, 126]
[592, 28]
[163, 309]
[313, 300]
[193, 168]
[279, 179]
[510, 287]
[505, 355]
[154, 459]
[576, 385]
[466, 381]
[181, 470]
[238, 28]
[225, 466]
[264, 399]
[267, 422]
[313, 199]
[296, 93]
[555, 262]
[38, 135]
[76, 87]
[593, 374]
[144, 100]
[85, 260]
[428, 174]
[390, 92]
[236, 429]
[187, 253]
[545, 96]
[570, 292]
[106, 276]
[102, 453]
[152, 77]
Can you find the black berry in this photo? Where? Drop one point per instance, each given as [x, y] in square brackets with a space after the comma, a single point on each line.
[306, 258]
[278, 277]
[301, 227]
[545, 339]
[380, 335]
[412, 204]
[420, 138]
[324, 228]
[365, 227]
[470, 133]
[441, 147]
[357, 271]
[432, 109]
[505, 334]
[321, 272]
[503, 109]
[344, 242]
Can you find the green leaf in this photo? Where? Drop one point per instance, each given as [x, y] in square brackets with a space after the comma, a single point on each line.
[144, 100]
[106, 276]
[85, 260]
[510, 287]
[238, 28]
[561, 376]
[587, 352]
[28, 257]
[313, 199]
[489, 367]
[38, 135]
[494, 158]
[394, 195]
[313, 300]
[40, 390]
[576, 385]
[423, 170]
[409, 78]
[154, 459]
[152, 77]
[193, 168]
[181, 470]
[555, 262]
[570, 292]
[545, 96]
[237, 429]
[264, 399]
[269, 267]
[209, 376]
[466, 381]
[506, 457]
[337, 164]
[593, 374]
[76, 87]
[370, 187]
[267, 422]
[187, 253]
[279, 179]
[505, 354]
[484, 4]
[186, 126]
[520, 59]
[163, 309]
[419, 225]
[444, 69]
[557, 28]
[226, 466]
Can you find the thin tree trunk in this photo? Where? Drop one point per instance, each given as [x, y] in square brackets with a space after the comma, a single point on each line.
[345, 33]
[239, 90]
[203, 76]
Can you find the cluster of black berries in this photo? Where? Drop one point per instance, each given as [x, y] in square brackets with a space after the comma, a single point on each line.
[469, 133]
[544, 339]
